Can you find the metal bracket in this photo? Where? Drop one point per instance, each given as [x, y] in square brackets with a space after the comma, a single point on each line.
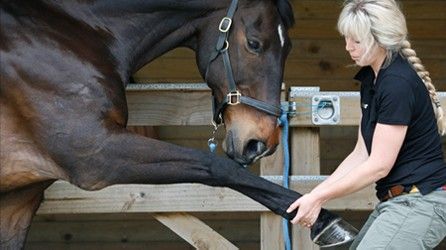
[290, 108]
[325, 110]
[295, 92]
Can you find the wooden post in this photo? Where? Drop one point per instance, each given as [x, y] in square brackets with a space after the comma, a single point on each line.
[271, 233]
[305, 160]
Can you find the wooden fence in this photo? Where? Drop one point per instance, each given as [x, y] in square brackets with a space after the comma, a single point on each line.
[173, 104]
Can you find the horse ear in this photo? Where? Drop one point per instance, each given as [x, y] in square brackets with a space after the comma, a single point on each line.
[286, 12]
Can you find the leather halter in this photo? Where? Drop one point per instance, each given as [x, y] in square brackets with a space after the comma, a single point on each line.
[233, 97]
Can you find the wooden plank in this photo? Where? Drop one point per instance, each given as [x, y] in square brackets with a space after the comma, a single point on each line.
[332, 68]
[99, 230]
[131, 229]
[349, 101]
[328, 84]
[210, 217]
[154, 245]
[347, 84]
[335, 48]
[313, 48]
[271, 230]
[306, 153]
[194, 231]
[159, 108]
[330, 9]
[152, 108]
[305, 161]
[64, 198]
[193, 108]
[296, 68]
[326, 29]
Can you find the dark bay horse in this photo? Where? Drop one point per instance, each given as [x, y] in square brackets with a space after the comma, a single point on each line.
[64, 68]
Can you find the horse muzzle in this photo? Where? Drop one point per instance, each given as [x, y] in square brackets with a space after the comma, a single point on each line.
[244, 153]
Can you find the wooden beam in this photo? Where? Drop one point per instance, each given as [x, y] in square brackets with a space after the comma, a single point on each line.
[305, 161]
[310, 68]
[169, 104]
[271, 231]
[152, 105]
[313, 49]
[349, 105]
[64, 198]
[329, 9]
[326, 29]
[194, 231]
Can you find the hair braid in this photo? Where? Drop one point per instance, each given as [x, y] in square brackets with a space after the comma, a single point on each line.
[411, 55]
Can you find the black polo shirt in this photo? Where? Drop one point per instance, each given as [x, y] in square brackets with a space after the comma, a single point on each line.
[399, 97]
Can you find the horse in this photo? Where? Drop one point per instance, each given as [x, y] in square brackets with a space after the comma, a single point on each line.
[64, 69]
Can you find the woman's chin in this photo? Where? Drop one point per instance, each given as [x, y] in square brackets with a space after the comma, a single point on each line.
[359, 63]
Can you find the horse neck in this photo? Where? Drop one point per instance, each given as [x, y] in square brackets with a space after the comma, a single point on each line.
[143, 30]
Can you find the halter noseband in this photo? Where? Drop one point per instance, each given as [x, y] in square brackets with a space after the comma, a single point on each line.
[234, 96]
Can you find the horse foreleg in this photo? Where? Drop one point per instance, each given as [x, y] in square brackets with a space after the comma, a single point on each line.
[129, 158]
[17, 209]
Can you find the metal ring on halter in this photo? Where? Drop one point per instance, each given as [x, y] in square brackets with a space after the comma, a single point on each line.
[225, 47]
[212, 141]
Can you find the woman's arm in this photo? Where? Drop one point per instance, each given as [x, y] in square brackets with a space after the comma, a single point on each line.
[355, 158]
[387, 141]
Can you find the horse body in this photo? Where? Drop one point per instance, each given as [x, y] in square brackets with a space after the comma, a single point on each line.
[65, 65]
[64, 68]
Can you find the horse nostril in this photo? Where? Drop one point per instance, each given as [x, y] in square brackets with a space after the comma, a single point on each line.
[230, 151]
[254, 148]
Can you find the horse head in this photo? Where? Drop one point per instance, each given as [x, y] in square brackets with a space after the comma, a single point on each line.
[242, 56]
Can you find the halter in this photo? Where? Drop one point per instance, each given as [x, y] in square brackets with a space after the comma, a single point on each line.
[233, 97]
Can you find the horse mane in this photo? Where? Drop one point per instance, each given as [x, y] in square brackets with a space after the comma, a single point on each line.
[285, 12]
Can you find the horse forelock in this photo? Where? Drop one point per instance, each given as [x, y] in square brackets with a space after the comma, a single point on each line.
[285, 10]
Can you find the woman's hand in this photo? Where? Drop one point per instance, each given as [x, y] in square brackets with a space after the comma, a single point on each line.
[309, 208]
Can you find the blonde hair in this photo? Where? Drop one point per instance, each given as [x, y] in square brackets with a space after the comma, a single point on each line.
[382, 23]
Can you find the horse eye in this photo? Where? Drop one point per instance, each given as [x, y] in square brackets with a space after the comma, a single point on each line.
[254, 46]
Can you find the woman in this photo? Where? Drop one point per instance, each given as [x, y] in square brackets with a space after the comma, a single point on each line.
[398, 146]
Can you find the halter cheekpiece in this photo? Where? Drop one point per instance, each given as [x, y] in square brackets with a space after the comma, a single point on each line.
[233, 97]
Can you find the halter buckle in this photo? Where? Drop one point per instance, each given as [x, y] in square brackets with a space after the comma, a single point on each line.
[234, 97]
[225, 24]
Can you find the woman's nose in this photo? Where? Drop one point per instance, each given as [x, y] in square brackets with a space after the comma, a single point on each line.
[349, 44]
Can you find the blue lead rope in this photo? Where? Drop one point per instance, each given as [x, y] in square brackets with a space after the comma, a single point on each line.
[286, 172]
[283, 120]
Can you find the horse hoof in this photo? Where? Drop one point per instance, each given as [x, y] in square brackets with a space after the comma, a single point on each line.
[336, 233]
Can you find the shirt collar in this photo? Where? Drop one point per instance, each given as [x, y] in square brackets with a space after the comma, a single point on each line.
[366, 75]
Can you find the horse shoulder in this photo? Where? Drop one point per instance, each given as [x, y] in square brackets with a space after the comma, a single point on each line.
[22, 161]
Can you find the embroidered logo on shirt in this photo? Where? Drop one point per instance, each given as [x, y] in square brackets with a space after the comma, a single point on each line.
[364, 105]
